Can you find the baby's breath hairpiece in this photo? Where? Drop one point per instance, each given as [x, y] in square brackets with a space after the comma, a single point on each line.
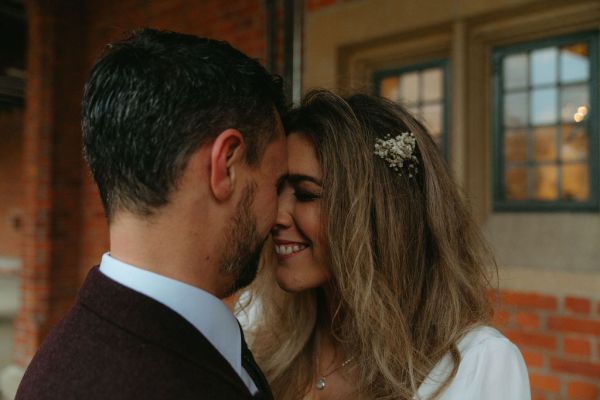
[399, 151]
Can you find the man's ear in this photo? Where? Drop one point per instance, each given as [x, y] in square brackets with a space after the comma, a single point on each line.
[227, 151]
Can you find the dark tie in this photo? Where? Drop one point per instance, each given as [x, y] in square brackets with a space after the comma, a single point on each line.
[264, 391]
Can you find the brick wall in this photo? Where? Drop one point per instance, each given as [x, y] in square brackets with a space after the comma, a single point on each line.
[559, 337]
[11, 189]
[316, 5]
[51, 171]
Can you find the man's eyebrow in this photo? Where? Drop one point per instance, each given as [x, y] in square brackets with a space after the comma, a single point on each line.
[297, 178]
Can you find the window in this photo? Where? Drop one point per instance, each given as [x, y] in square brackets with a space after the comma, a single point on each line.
[423, 90]
[546, 125]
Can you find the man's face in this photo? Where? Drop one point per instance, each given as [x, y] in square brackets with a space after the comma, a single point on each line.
[267, 176]
[255, 214]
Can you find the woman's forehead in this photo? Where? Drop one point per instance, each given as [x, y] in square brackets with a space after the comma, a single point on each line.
[302, 156]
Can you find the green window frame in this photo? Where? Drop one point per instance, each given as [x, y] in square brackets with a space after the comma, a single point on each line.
[416, 107]
[532, 94]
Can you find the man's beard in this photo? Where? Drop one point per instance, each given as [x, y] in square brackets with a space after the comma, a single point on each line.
[243, 244]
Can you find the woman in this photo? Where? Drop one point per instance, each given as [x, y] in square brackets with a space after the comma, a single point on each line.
[382, 269]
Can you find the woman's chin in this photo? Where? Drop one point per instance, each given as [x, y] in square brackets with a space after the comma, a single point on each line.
[297, 279]
[287, 282]
[289, 287]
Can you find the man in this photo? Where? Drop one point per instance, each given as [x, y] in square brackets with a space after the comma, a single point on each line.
[184, 140]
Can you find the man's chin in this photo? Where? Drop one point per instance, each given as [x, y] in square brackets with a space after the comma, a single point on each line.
[244, 276]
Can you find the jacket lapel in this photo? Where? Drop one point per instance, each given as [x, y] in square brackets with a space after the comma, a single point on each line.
[154, 322]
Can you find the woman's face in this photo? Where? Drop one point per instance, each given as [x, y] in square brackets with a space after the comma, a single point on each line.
[297, 234]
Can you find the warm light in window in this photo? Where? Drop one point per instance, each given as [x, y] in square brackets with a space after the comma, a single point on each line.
[580, 114]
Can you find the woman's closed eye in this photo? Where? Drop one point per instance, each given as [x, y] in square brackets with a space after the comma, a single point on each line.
[306, 188]
[304, 196]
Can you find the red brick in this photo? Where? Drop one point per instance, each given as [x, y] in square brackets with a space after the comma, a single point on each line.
[493, 296]
[11, 183]
[527, 320]
[582, 368]
[576, 325]
[501, 318]
[577, 347]
[314, 5]
[529, 300]
[582, 391]
[578, 305]
[533, 359]
[544, 383]
[538, 396]
[532, 339]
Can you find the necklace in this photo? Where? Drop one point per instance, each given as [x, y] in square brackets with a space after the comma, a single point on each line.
[322, 382]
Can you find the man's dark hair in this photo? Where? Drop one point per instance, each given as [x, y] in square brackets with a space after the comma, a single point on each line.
[155, 97]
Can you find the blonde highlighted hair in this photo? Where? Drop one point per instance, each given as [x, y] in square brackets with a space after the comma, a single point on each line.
[409, 266]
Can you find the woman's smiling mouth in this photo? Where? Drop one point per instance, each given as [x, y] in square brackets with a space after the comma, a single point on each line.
[285, 249]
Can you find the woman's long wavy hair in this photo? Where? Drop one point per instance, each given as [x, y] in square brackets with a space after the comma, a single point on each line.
[409, 266]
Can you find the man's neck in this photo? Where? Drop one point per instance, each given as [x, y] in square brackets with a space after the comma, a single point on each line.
[168, 247]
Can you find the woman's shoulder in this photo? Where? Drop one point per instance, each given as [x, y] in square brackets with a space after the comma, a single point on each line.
[481, 338]
[491, 367]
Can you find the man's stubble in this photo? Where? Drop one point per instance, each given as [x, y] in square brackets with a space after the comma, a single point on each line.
[243, 244]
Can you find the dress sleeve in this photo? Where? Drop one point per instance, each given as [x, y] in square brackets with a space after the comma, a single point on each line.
[492, 370]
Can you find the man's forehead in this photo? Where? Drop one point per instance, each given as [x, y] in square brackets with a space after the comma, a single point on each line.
[276, 152]
[279, 125]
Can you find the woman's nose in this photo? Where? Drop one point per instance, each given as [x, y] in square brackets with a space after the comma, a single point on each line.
[284, 212]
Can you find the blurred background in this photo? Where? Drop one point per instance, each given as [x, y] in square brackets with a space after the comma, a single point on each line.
[508, 88]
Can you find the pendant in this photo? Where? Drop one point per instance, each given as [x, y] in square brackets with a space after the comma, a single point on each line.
[321, 383]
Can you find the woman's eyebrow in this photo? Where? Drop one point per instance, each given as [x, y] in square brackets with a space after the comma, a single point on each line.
[297, 178]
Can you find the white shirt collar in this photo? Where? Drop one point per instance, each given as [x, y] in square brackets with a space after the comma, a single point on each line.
[204, 311]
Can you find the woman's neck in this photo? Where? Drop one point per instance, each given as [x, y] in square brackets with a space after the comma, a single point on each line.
[328, 309]
[329, 354]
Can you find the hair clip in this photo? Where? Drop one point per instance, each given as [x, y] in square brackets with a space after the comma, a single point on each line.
[398, 151]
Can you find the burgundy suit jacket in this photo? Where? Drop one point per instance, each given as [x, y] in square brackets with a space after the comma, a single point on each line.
[116, 343]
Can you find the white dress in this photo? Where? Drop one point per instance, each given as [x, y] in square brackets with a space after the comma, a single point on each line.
[491, 368]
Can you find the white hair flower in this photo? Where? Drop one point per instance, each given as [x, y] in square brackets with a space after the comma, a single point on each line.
[398, 151]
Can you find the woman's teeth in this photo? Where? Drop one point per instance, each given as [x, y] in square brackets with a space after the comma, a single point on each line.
[284, 250]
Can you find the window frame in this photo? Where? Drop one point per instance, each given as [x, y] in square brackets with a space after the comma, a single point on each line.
[379, 75]
[500, 203]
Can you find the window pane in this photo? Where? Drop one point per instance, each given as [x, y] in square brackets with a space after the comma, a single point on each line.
[515, 145]
[515, 109]
[543, 66]
[409, 87]
[432, 114]
[544, 144]
[516, 183]
[422, 90]
[515, 71]
[544, 95]
[575, 180]
[574, 103]
[545, 182]
[574, 63]
[389, 88]
[574, 143]
[543, 106]
[432, 84]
